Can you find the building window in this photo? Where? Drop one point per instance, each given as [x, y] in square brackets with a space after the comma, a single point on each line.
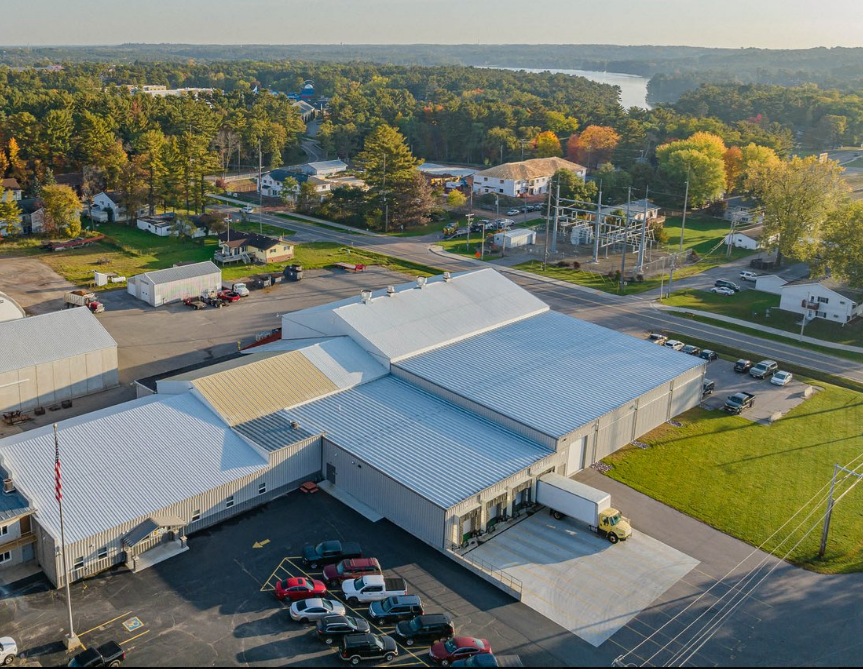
[103, 553]
[196, 516]
[501, 181]
[79, 563]
[229, 502]
[4, 530]
[823, 315]
[262, 488]
[5, 556]
[824, 300]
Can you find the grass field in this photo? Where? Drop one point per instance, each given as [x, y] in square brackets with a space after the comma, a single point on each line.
[747, 479]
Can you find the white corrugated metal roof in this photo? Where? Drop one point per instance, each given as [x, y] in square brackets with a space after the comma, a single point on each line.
[415, 319]
[343, 362]
[51, 337]
[552, 372]
[126, 462]
[183, 272]
[444, 453]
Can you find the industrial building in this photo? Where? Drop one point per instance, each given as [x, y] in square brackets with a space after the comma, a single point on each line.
[438, 404]
[172, 284]
[54, 357]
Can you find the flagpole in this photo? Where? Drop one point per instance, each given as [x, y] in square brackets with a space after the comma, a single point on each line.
[71, 639]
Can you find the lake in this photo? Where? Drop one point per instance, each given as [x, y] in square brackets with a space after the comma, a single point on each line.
[633, 89]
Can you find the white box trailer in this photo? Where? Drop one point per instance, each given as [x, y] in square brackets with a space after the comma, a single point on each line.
[567, 497]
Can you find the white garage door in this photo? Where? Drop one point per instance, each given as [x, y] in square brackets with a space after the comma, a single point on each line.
[575, 458]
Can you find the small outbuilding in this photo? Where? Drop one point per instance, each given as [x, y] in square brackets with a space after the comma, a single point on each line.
[173, 284]
[518, 237]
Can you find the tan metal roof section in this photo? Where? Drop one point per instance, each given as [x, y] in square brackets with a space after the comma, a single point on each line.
[263, 387]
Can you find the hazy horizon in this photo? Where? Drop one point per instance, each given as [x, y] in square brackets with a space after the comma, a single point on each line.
[769, 24]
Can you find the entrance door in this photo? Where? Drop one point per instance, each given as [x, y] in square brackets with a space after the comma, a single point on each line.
[331, 473]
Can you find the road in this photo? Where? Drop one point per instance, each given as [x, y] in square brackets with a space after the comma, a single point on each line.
[635, 315]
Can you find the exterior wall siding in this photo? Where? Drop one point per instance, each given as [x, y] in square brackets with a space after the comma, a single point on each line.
[686, 392]
[182, 288]
[396, 502]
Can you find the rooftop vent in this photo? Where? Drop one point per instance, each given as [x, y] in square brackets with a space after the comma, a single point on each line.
[366, 295]
[447, 276]
[421, 281]
[295, 424]
[391, 291]
[8, 486]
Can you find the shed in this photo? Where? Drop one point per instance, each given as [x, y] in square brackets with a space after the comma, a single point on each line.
[770, 284]
[164, 286]
[54, 357]
[517, 237]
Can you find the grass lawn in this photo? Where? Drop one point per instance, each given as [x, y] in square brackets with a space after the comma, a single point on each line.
[856, 163]
[702, 234]
[747, 479]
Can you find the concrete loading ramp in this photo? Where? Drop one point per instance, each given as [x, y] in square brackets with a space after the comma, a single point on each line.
[581, 581]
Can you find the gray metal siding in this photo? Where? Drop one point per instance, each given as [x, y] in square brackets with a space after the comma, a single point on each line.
[408, 510]
[652, 409]
[686, 392]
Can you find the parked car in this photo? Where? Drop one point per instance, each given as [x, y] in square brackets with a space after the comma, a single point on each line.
[748, 275]
[8, 650]
[742, 365]
[333, 551]
[229, 296]
[763, 369]
[734, 404]
[657, 338]
[691, 349]
[724, 283]
[781, 378]
[299, 588]
[367, 647]
[370, 588]
[513, 212]
[708, 386]
[240, 289]
[457, 648]
[350, 568]
[504, 223]
[332, 628]
[313, 609]
[490, 661]
[108, 655]
[395, 608]
[248, 209]
[722, 290]
[677, 345]
[425, 628]
[708, 355]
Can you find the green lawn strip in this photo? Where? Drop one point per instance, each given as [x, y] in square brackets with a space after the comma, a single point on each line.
[596, 280]
[460, 246]
[747, 479]
[856, 163]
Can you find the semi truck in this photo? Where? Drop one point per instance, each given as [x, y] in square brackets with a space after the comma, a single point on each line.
[567, 497]
[84, 299]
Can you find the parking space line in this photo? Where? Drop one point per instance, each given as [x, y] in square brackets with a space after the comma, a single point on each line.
[104, 624]
[134, 637]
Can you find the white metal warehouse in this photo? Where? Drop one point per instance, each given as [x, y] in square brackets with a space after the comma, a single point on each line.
[163, 286]
[53, 357]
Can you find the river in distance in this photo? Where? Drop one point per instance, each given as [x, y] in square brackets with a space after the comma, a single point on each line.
[633, 89]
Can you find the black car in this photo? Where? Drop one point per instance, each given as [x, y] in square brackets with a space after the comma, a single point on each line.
[395, 608]
[425, 628]
[331, 629]
[708, 355]
[109, 655]
[356, 648]
[742, 365]
[727, 284]
[691, 349]
[708, 386]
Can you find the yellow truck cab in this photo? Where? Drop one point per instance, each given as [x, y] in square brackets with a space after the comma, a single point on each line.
[612, 524]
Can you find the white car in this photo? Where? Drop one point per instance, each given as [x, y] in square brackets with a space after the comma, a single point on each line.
[8, 650]
[722, 290]
[513, 212]
[748, 276]
[677, 345]
[248, 209]
[781, 378]
[313, 609]
[241, 289]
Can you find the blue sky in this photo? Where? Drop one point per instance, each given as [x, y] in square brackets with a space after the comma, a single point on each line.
[721, 23]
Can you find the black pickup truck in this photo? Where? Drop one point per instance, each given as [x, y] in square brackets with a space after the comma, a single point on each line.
[326, 553]
[109, 655]
[734, 404]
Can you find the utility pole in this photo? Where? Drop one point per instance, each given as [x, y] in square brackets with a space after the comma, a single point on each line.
[623, 251]
[685, 203]
[831, 502]
[523, 141]
[547, 223]
[384, 196]
[501, 152]
[556, 213]
[260, 192]
[469, 218]
[598, 225]
[643, 240]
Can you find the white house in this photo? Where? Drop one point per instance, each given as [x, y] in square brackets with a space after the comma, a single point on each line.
[324, 168]
[530, 177]
[163, 227]
[106, 208]
[10, 189]
[750, 238]
[770, 284]
[307, 111]
[823, 299]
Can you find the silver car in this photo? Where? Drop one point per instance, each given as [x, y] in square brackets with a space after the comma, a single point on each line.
[313, 609]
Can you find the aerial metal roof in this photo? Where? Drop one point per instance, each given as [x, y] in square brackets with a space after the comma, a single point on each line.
[343, 362]
[274, 431]
[444, 453]
[552, 372]
[51, 337]
[419, 316]
[183, 272]
[127, 462]
[12, 505]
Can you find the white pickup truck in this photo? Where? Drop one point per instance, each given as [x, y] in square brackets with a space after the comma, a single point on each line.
[370, 588]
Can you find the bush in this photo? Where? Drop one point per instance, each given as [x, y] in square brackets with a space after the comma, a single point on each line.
[576, 265]
[562, 264]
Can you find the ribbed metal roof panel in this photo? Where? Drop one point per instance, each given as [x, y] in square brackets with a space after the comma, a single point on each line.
[274, 431]
[263, 387]
[444, 453]
[127, 461]
[343, 362]
[183, 272]
[51, 337]
[551, 372]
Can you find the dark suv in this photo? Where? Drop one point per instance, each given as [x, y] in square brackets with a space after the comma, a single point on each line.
[727, 284]
[764, 369]
[356, 648]
[395, 608]
[333, 627]
[425, 628]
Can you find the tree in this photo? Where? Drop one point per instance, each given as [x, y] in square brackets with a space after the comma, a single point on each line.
[842, 250]
[132, 189]
[288, 194]
[546, 145]
[151, 147]
[62, 209]
[733, 160]
[456, 199]
[308, 198]
[573, 187]
[10, 213]
[411, 206]
[698, 160]
[752, 155]
[798, 196]
[614, 183]
[593, 146]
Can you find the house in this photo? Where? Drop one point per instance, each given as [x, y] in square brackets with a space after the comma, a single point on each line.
[107, 208]
[306, 110]
[524, 178]
[11, 188]
[770, 284]
[74, 180]
[347, 182]
[742, 210]
[32, 215]
[750, 238]
[822, 299]
[324, 168]
[236, 245]
[273, 183]
[168, 224]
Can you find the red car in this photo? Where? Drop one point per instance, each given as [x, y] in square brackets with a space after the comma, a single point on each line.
[457, 648]
[299, 588]
[229, 295]
[350, 568]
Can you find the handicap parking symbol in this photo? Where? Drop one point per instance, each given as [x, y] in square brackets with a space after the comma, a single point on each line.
[132, 624]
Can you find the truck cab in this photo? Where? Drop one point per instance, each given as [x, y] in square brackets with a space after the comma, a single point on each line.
[613, 525]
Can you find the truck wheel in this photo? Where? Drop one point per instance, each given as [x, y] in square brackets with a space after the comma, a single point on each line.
[389, 657]
[328, 640]
[355, 660]
[304, 620]
[557, 515]
[114, 664]
[444, 662]
[409, 642]
[613, 538]
[8, 660]
[353, 602]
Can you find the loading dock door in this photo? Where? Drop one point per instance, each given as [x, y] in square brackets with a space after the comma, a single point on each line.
[331, 473]
[575, 458]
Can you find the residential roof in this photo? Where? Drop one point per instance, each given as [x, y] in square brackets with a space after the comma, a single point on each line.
[114, 196]
[304, 106]
[10, 183]
[327, 165]
[280, 174]
[183, 272]
[30, 205]
[126, 462]
[551, 372]
[242, 238]
[832, 285]
[51, 337]
[444, 453]
[436, 170]
[530, 169]
[754, 233]
[414, 320]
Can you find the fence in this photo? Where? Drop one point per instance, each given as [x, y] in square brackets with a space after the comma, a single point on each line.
[496, 574]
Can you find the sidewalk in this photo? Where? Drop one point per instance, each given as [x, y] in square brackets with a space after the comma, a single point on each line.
[765, 329]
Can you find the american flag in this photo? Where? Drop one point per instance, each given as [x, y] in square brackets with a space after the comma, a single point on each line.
[58, 482]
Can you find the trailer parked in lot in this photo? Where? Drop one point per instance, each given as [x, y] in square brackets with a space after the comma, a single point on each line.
[72, 244]
[567, 497]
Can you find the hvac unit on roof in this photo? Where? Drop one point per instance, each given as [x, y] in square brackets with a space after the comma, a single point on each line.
[366, 296]
[391, 291]
[447, 276]
[8, 486]
[421, 281]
